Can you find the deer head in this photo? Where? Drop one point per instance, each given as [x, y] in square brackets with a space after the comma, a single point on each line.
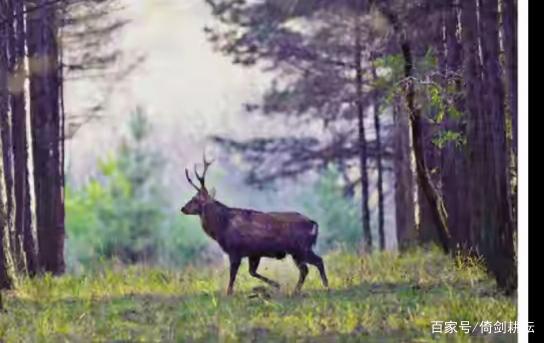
[202, 197]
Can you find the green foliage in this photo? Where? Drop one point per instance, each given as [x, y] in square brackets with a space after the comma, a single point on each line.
[391, 68]
[446, 136]
[441, 103]
[394, 63]
[338, 216]
[438, 98]
[122, 214]
[439, 95]
[437, 102]
[380, 297]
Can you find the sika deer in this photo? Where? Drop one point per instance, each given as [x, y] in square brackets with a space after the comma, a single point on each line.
[254, 234]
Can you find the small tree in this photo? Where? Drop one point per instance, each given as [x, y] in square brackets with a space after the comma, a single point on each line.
[122, 208]
[122, 212]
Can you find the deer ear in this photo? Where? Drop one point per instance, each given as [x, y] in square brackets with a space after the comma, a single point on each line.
[212, 192]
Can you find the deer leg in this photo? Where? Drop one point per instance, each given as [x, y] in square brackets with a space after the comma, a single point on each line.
[253, 265]
[317, 261]
[234, 265]
[303, 268]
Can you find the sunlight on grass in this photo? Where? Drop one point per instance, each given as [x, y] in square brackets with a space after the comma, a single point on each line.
[381, 295]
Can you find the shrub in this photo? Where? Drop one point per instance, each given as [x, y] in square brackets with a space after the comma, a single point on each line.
[121, 212]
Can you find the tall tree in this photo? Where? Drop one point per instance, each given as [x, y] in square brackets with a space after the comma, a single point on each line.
[379, 162]
[404, 181]
[453, 158]
[19, 127]
[437, 125]
[429, 190]
[509, 40]
[5, 278]
[495, 220]
[363, 158]
[47, 133]
[509, 34]
[33, 26]
[5, 126]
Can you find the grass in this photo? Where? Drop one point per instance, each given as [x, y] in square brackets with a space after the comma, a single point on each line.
[380, 297]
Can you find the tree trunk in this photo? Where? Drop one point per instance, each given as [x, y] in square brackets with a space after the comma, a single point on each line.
[23, 214]
[365, 211]
[495, 220]
[510, 31]
[427, 228]
[5, 277]
[42, 29]
[376, 110]
[453, 164]
[7, 161]
[6, 280]
[473, 88]
[404, 182]
[509, 39]
[5, 127]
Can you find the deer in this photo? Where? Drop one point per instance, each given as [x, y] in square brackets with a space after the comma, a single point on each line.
[254, 234]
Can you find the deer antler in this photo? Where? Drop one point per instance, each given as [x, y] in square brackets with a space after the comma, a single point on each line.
[190, 181]
[202, 179]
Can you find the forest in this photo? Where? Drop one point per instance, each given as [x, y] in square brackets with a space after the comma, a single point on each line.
[391, 124]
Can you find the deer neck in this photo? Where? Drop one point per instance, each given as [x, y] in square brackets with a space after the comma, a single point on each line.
[212, 218]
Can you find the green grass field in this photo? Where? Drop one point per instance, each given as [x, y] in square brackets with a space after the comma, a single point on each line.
[381, 297]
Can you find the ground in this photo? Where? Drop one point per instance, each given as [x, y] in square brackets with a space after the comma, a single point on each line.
[379, 297]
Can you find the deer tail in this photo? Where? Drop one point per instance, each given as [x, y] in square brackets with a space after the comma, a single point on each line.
[313, 233]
